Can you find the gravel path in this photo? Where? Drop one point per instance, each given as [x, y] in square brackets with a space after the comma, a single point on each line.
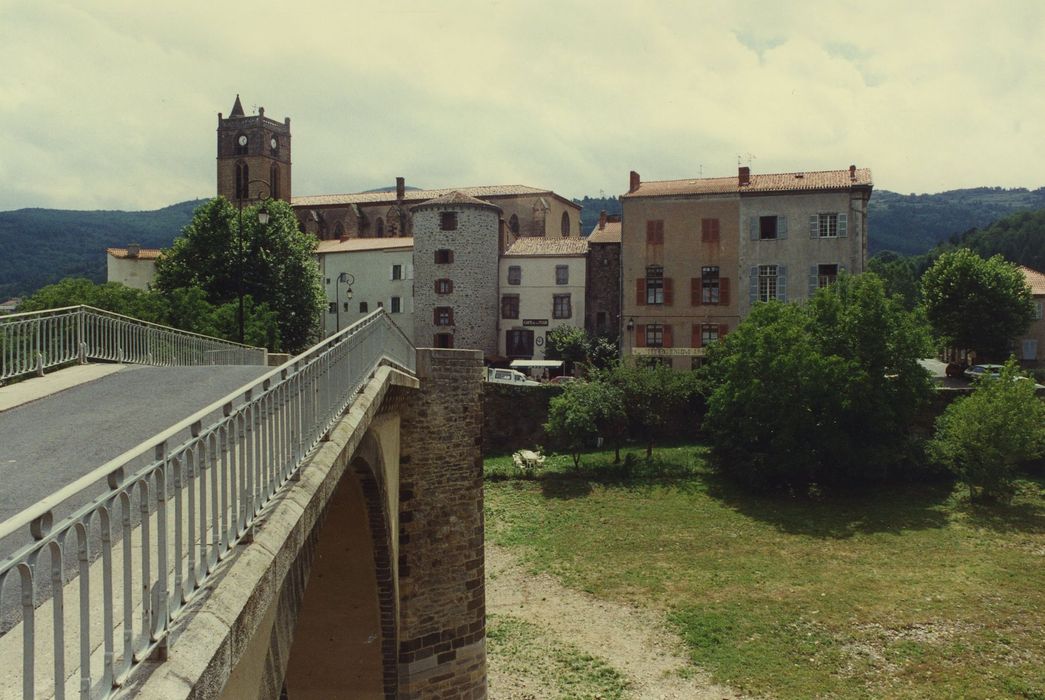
[632, 641]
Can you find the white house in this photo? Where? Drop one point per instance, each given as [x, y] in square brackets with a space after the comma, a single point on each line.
[541, 287]
[133, 266]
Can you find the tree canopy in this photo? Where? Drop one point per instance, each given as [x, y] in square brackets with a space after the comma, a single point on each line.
[584, 412]
[272, 263]
[976, 304]
[820, 393]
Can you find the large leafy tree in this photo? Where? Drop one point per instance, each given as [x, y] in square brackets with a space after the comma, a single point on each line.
[654, 397]
[819, 393]
[976, 304]
[271, 263]
[982, 438]
[584, 412]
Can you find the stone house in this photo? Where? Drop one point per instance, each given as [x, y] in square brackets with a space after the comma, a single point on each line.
[1034, 337]
[696, 254]
[602, 289]
[360, 275]
[542, 287]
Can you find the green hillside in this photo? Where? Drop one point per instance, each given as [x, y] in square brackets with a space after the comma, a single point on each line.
[41, 246]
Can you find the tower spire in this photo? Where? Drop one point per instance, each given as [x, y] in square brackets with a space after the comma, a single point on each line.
[237, 109]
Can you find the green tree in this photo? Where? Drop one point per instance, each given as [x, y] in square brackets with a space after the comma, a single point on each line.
[567, 343]
[583, 412]
[900, 275]
[111, 296]
[819, 393]
[976, 304]
[272, 263]
[654, 396]
[982, 438]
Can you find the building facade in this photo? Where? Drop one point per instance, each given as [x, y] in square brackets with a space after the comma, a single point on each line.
[133, 266]
[366, 274]
[542, 283]
[602, 290]
[253, 156]
[1028, 347]
[456, 247]
[697, 254]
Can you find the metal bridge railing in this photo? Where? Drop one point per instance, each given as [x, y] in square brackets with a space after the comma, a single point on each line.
[161, 531]
[34, 341]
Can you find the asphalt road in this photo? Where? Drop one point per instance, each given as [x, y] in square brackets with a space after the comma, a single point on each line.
[48, 443]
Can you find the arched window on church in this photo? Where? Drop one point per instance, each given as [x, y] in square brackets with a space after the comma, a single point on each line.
[242, 180]
[379, 229]
[241, 144]
[274, 179]
[565, 224]
[339, 231]
[513, 224]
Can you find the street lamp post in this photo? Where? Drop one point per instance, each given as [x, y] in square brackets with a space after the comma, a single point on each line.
[263, 218]
[343, 278]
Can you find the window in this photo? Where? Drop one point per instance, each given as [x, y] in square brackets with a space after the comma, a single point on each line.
[396, 305]
[655, 232]
[339, 230]
[328, 280]
[274, 179]
[519, 343]
[448, 221]
[443, 340]
[601, 321]
[443, 316]
[397, 272]
[344, 305]
[709, 230]
[654, 335]
[767, 228]
[654, 284]
[380, 229]
[510, 306]
[444, 257]
[565, 224]
[561, 306]
[562, 274]
[363, 307]
[513, 224]
[514, 274]
[708, 334]
[332, 307]
[828, 225]
[767, 282]
[380, 304]
[444, 286]
[1029, 349]
[825, 275]
[242, 180]
[709, 292]
[1037, 311]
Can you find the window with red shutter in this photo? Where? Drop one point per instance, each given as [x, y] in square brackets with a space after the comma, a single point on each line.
[723, 291]
[694, 291]
[709, 229]
[668, 295]
[722, 330]
[640, 291]
[666, 343]
[694, 339]
[655, 232]
[640, 335]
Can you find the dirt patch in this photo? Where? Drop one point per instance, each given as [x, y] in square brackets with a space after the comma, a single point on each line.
[634, 643]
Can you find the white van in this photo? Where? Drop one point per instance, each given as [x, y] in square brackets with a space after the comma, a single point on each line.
[509, 376]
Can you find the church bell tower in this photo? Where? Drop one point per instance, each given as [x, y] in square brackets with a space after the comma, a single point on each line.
[253, 156]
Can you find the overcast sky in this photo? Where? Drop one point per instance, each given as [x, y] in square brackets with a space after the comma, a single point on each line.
[112, 104]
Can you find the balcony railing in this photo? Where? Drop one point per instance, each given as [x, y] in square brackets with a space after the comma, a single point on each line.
[144, 547]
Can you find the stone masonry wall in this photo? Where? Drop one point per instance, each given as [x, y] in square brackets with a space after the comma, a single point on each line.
[442, 613]
[603, 292]
[473, 272]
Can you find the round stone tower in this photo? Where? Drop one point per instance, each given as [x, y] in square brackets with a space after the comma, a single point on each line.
[455, 273]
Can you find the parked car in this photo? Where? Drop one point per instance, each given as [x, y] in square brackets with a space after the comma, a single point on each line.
[509, 376]
[979, 371]
[564, 379]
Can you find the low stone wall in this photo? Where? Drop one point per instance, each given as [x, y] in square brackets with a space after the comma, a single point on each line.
[514, 416]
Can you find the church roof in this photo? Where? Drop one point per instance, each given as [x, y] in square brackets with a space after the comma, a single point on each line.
[418, 196]
[237, 109]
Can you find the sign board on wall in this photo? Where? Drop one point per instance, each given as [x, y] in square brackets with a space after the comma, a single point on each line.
[535, 322]
[668, 352]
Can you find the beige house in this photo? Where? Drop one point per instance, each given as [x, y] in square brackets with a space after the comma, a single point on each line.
[133, 266]
[542, 287]
[1027, 347]
[696, 254]
[364, 274]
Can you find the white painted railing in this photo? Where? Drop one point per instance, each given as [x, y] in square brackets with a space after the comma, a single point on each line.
[34, 341]
[161, 531]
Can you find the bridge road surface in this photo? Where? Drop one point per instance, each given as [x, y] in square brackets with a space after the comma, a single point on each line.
[48, 443]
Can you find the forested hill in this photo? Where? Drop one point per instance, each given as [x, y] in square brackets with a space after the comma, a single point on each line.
[911, 224]
[41, 246]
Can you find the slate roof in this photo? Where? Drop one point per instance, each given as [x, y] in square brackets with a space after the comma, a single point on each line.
[417, 196]
[143, 254]
[456, 198]
[610, 234]
[548, 246]
[770, 182]
[1035, 280]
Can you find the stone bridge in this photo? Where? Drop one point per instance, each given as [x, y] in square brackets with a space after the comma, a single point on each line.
[359, 575]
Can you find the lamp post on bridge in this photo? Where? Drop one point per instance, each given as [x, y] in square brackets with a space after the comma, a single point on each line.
[263, 218]
[343, 278]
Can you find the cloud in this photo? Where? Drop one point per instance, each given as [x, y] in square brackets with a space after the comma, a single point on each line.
[113, 104]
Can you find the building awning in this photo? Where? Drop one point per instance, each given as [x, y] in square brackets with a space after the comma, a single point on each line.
[526, 364]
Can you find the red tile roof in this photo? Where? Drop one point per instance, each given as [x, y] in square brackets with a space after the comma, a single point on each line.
[610, 234]
[143, 254]
[1035, 280]
[770, 182]
[359, 244]
[548, 246]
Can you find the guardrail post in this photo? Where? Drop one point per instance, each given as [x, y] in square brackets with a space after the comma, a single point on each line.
[39, 364]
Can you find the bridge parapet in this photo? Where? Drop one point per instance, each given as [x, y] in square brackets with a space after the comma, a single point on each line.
[145, 549]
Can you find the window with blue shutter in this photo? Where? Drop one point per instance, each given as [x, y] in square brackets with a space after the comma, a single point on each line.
[814, 280]
[753, 289]
[814, 226]
[781, 227]
[781, 282]
[843, 225]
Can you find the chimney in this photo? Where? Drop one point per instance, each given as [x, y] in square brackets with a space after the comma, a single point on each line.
[744, 176]
[635, 181]
[602, 219]
[400, 188]
[852, 172]
[261, 111]
[133, 250]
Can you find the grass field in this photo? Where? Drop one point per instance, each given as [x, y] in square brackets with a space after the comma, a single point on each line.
[903, 593]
